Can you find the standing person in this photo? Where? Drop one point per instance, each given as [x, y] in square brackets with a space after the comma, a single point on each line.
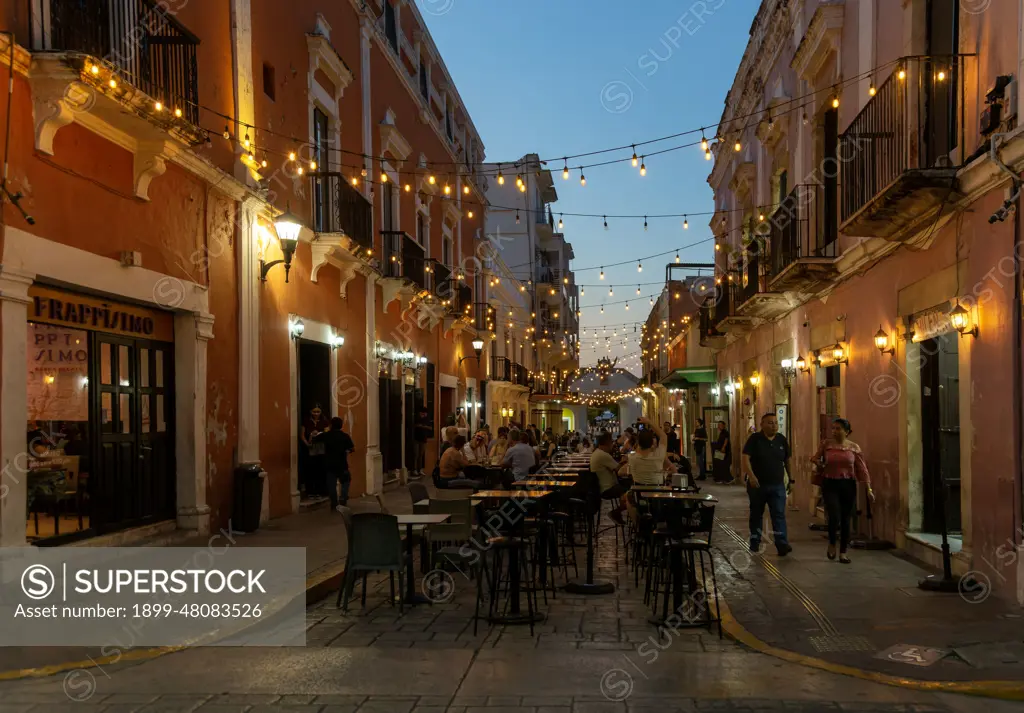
[647, 463]
[674, 446]
[766, 461]
[700, 444]
[337, 445]
[607, 469]
[520, 456]
[840, 465]
[310, 462]
[721, 455]
[422, 431]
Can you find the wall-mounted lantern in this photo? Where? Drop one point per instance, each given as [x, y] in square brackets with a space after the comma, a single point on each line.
[296, 328]
[337, 341]
[801, 365]
[960, 318]
[288, 229]
[882, 342]
[788, 371]
[478, 348]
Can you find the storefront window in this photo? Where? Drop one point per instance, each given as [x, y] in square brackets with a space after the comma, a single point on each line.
[58, 431]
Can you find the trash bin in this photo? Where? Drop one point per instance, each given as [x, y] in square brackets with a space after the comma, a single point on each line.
[248, 497]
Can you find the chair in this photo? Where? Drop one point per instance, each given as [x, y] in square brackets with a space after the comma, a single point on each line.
[374, 546]
[454, 534]
[417, 493]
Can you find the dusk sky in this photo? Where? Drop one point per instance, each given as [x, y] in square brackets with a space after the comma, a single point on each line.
[571, 76]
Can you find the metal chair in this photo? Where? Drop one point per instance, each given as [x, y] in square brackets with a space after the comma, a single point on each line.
[375, 545]
[417, 493]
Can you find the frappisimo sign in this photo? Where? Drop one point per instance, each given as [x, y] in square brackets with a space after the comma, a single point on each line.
[67, 309]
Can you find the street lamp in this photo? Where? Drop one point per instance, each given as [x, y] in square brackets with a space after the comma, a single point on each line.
[882, 342]
[960, 318]
[478, 347]
[288, 228]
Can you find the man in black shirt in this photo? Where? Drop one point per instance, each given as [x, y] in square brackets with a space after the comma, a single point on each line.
[422, 432]
[337, 446]
[766, 461]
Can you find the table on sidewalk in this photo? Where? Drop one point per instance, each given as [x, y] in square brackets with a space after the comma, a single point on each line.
[677, 571]
[515, 615]
[412, 597]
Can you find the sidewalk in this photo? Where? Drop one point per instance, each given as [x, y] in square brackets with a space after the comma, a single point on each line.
[848, 615]
[320, 531]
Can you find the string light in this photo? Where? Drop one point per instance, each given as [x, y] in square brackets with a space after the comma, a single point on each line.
[634, 156]
[517, 216]
[638, 289]
[501, 178]
[158, 106]
[738, 147]
[246, 142]
[560, 223]
[645, 222]
[703, 141]
[677, 258]
[565, 170]
[643, 168]
[291, 155]
[606, 222]
[583, 179]
[872, 90]
[602, 273]
[639, 267]
[611, 291]
[686, 223]
[465, 190]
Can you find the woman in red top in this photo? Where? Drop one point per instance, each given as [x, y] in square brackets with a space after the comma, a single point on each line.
[840, 465]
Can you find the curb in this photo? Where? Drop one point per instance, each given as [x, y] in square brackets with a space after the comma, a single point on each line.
[317, 588]
[1006, 690]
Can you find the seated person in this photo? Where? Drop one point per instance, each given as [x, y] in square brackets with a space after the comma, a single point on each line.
[606, 469]
[647, 463]
[453, 463]
[520, 457]
[476, 449]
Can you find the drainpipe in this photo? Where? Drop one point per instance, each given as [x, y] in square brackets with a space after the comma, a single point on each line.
[1018, 314]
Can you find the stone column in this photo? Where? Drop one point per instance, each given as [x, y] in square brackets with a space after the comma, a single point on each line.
[248, 336]
[191, 331]
[374, 459]
[14, 301]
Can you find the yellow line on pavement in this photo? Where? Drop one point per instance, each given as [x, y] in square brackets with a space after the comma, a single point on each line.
[317, 587]
[1008, 690]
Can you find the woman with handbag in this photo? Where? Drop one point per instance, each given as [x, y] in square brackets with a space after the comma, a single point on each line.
[838, 466]
[721, 454]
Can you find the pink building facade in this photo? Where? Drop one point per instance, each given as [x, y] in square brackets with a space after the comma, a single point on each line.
[866, 184]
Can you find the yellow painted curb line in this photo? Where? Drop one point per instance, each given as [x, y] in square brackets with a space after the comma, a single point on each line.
[1008, 690]
[317, 587]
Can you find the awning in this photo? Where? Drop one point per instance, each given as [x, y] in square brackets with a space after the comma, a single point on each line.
[691, 376]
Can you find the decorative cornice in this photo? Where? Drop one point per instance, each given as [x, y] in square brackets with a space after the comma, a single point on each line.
[822, 39]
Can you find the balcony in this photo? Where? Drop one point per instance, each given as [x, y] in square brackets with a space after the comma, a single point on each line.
[730, 320]
[754, 298]
[803, 234]
[340, 208]
[709, 317]
[899, 156]
[125, 69]
[520, 376]
[501, 369]
[403, 258]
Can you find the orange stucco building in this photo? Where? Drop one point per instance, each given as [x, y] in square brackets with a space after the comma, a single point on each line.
[150, 344]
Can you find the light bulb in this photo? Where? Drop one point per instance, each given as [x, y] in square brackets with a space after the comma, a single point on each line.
[583, 179]
[703, 142]
[941, 76]
[902, 73]
[112, 83]
[177, 113]
[645, 222]
[501, 179]
[517, 216]
[565, 173]
[299, 170]
[94, 69]
[246, 142]
[355, 181]
[602, 273]
[738, 147]
[432, 180]
[408, 188]
[560, 223]
[686, 223]
[634, 157]
[643, 168]
[606, 222]
[639, 267]
[872, 90]
[465, 190]
[158, 106]
[835, 102]
[611, 291]
[677, 257]
[291, 156]
[312, 165]
[707, 155]
[638, 289]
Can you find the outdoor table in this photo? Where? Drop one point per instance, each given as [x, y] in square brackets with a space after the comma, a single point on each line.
[641, 488]
[676, 563]
[553, 476]
[515, 615]
[564, 483]
[412, 597]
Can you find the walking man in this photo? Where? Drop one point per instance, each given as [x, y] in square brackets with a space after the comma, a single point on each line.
[766, 461]
[337, 446]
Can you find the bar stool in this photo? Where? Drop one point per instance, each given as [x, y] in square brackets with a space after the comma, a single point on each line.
[501, 574]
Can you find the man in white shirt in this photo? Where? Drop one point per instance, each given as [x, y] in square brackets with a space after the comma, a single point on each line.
[476, 449]
[520, 457]
[647, 463]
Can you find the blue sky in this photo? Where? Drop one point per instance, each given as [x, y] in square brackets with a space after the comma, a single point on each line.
[561, 77]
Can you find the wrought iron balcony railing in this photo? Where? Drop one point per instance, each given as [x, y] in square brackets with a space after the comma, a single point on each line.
[146, 45]
[805, 225]
[501, 369]
[403, 258]
[340, 208]
[913, 123]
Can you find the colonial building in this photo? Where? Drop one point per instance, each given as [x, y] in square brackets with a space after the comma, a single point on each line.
[219, 218]
[522, 228]
[866, 180]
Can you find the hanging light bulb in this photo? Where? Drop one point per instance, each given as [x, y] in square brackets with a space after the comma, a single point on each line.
[639, 267]
[408, 188]
[643, 168]
[872, 90]
[645, 222]
[583, 292]
[652, 301]
[245, 141]
[501, 178]
[707, 155]
[560, 223]
[634, 157]
[611, 291]
[565, 170]
[158, 106]
[226, 134]
[355, 181]
[602, 309]
[627, 306]
[522, 188]
[519, 179]
[703, 141]
[606, 222]
[686, 223]
[517, 216]
[383, 177]
[902, 74]
[835, 100]
[431, 179]
[677, 257]
[465, 190]
[583, 179]
[291, 155]
[738, 146]
[638, 289]
[299, 170]
[602, 273]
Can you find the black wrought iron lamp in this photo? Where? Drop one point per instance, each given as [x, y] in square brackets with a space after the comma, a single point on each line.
[288, 228]
[478, 348]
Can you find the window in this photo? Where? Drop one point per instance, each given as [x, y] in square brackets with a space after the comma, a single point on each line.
[321, 144]
[269, 85]
[391, 25]
[421, 229]
[783, 186]
[446, 251]
[448, 120]
[424, 80]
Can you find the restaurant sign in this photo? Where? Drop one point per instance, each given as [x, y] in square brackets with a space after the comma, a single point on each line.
[68, 309]
[931, 324]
